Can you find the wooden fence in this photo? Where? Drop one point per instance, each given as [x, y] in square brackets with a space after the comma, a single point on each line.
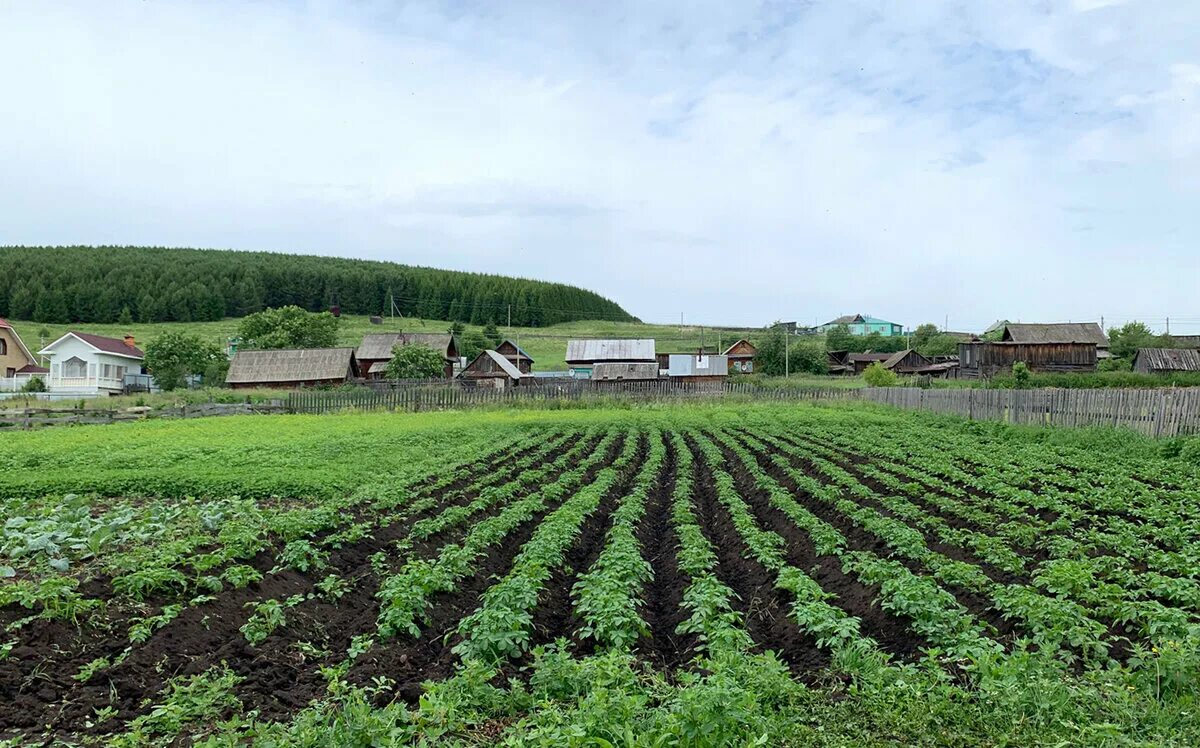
[449, 397]
[1156, 412]
[29, 418]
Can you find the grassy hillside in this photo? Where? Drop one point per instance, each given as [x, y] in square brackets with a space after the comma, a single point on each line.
[547, 345]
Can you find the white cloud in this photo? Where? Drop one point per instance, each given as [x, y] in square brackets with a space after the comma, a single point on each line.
[739, 165]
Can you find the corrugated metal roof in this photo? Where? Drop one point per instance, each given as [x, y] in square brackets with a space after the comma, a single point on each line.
[378, 345]
[691, 365]
[290, 365]
[1168, 359]
[632, 349]
[1057, 332]
[612, 371]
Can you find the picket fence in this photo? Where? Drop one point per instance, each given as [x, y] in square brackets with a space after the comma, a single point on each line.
[451, 397]
[1157, 412]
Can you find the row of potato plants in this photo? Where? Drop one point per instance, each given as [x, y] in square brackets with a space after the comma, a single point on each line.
[1111, 554]
[1055, 625]
[531, 470]
[502, 626]
[833, 628]
[405, 596]
[607, 596]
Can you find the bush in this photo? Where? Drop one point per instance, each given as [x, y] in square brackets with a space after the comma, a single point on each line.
[289, 327]
[1021, 375]
[415, 362]
[173, 356]
[877, 376]
[35, 384]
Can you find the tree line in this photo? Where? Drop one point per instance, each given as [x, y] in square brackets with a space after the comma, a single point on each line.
[155, 284]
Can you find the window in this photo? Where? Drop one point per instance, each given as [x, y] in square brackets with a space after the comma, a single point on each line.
[74, 367]
[3, 347]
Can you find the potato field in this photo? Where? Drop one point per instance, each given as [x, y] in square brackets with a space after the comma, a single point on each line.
[705, 575]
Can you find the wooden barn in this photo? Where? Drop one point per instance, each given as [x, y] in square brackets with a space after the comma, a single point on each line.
[907, 361]
[1166, 360]
[741, 357]
[494, 369]
[584, 356]
[1058, 332]
[291, 368]
[376, 350]
[860, 361]
[985, 360]
[838, 363]
[518, 357]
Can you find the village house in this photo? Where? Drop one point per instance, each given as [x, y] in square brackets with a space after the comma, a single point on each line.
[292, 368]
[623, 372]
[741, 356]
[517, 357]
[584, 356]
[86, 365]
[983, 359]
[375, 351]
[17, 363]
[864, 324]
[697, 367]
[491, 368]
[860, 361]
[1058, 332]
[1166, 360]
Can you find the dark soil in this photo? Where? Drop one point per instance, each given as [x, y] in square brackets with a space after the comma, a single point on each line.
[857, 599]
[763, 607]
[860, 539]
[664, 611]
[430, 657]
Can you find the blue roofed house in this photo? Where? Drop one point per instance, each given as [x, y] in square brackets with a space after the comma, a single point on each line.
[865, 324]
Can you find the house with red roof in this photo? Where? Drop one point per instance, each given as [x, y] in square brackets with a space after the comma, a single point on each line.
[86, 365]
[17, 364]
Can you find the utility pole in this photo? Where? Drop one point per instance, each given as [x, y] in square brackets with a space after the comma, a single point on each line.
[1168, 325]
[510, 318]
[787, 368]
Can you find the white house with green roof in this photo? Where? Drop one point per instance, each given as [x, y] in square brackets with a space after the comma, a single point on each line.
[864, 324]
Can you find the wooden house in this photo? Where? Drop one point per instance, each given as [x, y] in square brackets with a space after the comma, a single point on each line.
[741, 357]
[519, 358]
[985, 360]
[375, 350]
[292, 368]
[17, 364]
[493, 369]
[1166, 360]
[583, 356]
[1058, 332]
[907, 361]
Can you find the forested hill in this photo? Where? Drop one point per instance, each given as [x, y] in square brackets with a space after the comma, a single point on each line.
[152, 284]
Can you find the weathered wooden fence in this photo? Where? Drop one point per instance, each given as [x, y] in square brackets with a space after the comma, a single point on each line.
[448, 397]
[29, 418]
[1157, 412]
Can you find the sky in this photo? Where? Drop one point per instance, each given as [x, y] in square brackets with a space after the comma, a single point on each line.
[730, 162]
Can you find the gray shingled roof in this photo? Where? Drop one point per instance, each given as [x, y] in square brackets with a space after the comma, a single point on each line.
[291, 365]
[1058, 332]
[633, 349]
[1169, 359]
[378, 345]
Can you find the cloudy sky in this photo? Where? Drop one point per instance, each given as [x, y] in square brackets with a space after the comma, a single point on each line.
[735, 163]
